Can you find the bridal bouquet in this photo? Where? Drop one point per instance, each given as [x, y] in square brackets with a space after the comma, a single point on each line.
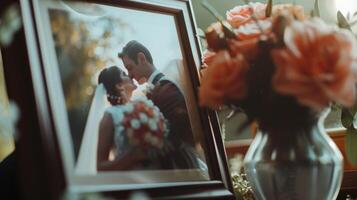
[275, 61]
[145, 125]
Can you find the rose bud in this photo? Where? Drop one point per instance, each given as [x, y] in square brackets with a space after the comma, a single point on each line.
[215, 37]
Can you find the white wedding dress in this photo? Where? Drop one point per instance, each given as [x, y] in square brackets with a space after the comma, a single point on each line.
[87, 157]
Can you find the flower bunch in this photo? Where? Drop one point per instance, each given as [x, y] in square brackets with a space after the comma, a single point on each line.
[145, 125]
[8, 118]
[241, 187]
[10, 23]
[274, 59]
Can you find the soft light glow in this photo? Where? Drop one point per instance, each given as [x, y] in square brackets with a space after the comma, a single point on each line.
[346, 6]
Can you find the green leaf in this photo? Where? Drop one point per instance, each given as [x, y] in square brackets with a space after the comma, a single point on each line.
[347, 118]
[316, 11]
[342, 21]
[355, 14]
[335, 107]
[269, 8]
[353, 109]
[351, 146]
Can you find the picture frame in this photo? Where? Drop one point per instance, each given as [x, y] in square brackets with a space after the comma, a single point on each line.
[43, 167]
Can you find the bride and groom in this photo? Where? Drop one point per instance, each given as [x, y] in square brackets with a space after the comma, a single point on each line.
[119, 87]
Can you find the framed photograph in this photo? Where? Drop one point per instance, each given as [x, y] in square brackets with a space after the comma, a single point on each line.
[111, 101]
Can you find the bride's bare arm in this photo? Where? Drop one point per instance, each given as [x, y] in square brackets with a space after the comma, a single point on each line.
[105, 142]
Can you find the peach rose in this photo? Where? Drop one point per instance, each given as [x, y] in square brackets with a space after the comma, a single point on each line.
[208, 57]
[296, 11]
[248, 48]
[223, 79]
[318, 64]
[252, 30]
[240, 15]
[214, 35]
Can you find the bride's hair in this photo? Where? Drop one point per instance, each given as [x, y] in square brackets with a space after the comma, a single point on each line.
[109, 77]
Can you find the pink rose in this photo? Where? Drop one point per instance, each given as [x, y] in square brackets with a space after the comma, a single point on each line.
[248, 48]
[240, 15]
[214, 35]
[295, 11]
[253, 29]
[318, 64]
[223, 80]
[208, 57]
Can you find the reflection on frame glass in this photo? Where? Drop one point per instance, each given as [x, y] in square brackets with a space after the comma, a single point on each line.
[121, 89]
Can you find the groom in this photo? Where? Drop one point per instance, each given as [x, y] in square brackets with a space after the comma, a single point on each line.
[166, 95]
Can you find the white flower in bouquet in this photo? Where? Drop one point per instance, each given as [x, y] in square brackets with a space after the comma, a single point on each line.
[135, 123]
[145, 125]
[143, 118]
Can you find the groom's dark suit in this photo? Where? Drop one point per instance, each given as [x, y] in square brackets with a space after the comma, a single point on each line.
[171, 102]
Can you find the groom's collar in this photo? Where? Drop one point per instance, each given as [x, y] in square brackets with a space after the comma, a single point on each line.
[152, 76]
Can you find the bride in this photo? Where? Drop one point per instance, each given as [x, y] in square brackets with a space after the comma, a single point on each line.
[115, 87]
[119, 88]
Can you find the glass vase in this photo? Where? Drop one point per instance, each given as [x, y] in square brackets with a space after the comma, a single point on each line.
[294, 163]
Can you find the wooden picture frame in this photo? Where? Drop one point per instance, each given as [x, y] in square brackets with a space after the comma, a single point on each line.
[42, 169]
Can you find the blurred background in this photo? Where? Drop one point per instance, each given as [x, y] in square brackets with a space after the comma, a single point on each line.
[6, 135]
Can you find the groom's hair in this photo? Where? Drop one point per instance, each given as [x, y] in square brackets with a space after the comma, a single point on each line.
[132, 49]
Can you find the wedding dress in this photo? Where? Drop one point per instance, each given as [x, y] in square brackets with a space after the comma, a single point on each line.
[87, 157]
[171, 157]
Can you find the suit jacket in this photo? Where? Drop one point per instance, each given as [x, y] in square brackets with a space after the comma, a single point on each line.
[171, 102]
